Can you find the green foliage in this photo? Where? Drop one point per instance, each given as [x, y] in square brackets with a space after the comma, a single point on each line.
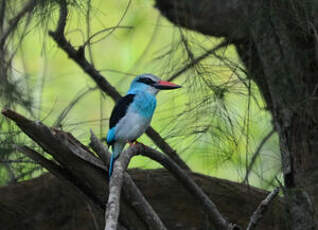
[215, 121]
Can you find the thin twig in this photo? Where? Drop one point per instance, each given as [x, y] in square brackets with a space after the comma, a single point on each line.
[2, 15]
[166, 148]
[16, 161]
[261, 209]
[198, 59]
[12, 177]
[100, 149]
[117, 24]
[55, 169]
[88, 31]
[69, 107]
[256, 154]
[14, 21]
[183, 176]
[78, 57]
[88, 41]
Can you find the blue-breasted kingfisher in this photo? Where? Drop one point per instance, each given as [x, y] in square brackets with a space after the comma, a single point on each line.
[132, 114]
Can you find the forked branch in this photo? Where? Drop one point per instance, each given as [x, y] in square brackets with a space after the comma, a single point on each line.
[119, 179]
[181, 175]
[77, 164]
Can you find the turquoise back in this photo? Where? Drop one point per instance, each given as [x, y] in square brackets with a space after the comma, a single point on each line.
[144, 104]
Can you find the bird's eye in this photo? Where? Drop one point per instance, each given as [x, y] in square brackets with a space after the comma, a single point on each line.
[147, 81]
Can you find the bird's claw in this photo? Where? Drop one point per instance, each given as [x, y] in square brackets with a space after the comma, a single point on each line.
[134, 143]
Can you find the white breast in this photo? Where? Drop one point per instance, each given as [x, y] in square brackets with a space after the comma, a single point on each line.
[131, 126]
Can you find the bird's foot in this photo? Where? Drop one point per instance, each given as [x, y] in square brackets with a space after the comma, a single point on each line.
[133, 143]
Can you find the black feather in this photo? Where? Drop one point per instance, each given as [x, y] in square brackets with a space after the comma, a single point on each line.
[146, 80]
[120, 109]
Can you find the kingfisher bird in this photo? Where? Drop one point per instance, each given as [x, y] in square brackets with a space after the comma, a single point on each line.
[132, 114]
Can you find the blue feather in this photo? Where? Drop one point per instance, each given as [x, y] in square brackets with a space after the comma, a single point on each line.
[117, 149]
[111, 136]
[132, 114]
[110, 170]
[144, 103]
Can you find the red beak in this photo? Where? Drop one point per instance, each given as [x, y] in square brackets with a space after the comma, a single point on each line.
[166, 85]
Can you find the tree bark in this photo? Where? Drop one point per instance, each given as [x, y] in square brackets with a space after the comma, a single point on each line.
[277, 41]
[218, 18]
[49, 203]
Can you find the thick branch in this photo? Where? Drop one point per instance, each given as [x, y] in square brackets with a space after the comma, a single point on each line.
[81, 167]
[74, 158]
[88, 174]
[40, 197]
[217, 18]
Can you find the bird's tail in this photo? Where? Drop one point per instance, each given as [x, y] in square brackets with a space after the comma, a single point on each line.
[117, 149]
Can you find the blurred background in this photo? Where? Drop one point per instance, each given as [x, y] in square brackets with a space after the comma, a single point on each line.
[217, 122]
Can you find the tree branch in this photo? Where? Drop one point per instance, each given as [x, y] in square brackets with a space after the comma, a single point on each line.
[256, 154]
[88, 41]
[115, 186]
[55, 141]
[58, 171]
[141, 205]
[116, 182]
[131, 191]
[83, 169]
[89, 177]
[14, 21]
[198, 59]
[78, 57]
[261, 209]
[2, 15]
[211, 209]
[44, 195]
[65, 149]
[100, 149]
[215, 18]
[55, 169]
